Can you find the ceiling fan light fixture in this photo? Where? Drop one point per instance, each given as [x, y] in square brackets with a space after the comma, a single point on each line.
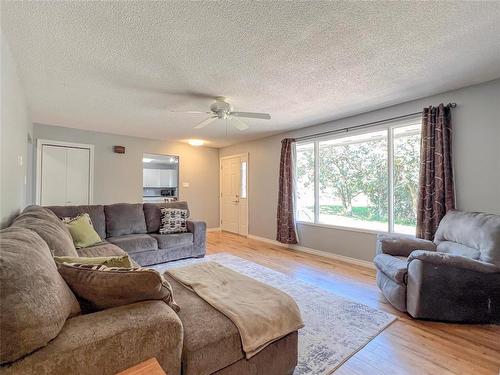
[222, 110]
[196, 142]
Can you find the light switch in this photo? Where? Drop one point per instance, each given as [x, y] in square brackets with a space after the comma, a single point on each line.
[185, 184]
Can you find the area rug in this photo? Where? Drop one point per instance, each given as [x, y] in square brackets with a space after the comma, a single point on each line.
[335, 328]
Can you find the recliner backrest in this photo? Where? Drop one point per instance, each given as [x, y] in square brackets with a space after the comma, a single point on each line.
[472, 234]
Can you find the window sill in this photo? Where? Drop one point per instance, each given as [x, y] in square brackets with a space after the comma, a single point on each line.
[338, 227]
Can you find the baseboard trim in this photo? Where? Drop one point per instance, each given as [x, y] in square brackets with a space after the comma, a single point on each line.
[213, 229]
[342, 258]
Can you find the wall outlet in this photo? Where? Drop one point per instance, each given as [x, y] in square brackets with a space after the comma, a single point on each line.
[20, 160]
[185, 184]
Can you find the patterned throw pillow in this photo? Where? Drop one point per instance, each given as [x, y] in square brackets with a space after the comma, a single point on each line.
[173, 220]
[105, 287]
[111, 261]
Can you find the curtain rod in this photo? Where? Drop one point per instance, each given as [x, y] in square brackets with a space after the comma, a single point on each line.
[368, 124]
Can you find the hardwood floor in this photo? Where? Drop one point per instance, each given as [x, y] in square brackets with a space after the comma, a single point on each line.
[407, 346]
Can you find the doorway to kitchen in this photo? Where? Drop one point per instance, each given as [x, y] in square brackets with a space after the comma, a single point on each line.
[160, 176]
[234, 194]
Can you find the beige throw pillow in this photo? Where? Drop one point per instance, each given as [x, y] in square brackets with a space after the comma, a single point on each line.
[104, 287]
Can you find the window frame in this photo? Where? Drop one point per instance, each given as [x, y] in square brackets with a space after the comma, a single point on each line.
[389, 127]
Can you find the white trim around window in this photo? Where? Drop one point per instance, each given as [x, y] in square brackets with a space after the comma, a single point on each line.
[389, 127]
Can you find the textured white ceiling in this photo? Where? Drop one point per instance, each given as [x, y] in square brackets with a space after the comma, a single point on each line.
[119, 67]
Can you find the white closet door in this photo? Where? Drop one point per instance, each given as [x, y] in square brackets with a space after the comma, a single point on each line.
[77, 176]
[65, 175]
[53, 188]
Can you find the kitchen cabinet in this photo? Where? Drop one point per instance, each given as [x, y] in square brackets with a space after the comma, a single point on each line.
[159, 178]
[168, 178]
[151, 177]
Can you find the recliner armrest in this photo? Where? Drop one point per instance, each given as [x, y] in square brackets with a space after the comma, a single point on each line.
[401, 245]
[457, 261]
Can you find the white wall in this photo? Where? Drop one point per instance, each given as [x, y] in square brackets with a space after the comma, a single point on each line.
[476, 149]
[118, 177]
[15, 129]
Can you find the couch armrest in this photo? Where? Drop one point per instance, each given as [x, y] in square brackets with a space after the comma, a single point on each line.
[401, 245]
[199, 230]
[110, 341]
[450, 260]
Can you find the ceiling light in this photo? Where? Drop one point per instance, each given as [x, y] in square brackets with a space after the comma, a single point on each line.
[196, 142]
[147, 160]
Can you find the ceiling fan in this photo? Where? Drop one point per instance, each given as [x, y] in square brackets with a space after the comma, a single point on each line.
[221, 109]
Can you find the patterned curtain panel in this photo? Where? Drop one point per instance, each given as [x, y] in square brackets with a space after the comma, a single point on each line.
[436, 191]
[286, 221]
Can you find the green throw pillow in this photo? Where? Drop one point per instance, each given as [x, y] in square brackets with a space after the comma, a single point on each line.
[114, 261]
[82, 231]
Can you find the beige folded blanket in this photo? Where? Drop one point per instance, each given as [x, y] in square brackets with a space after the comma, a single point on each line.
[261, 313]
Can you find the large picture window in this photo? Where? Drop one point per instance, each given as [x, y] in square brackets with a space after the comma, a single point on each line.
[365, 180]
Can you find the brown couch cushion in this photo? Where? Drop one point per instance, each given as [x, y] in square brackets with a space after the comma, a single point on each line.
[35, 299]
[124, 218]
[152, 213]
[48, 226]
[96, 213]
[211, 340]
[104, 287]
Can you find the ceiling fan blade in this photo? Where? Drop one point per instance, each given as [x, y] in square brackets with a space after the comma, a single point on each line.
[238, 124]
[191, 112]
[262, 116]
[205, 122]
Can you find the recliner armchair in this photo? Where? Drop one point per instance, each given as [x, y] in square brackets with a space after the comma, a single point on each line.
[455, 278]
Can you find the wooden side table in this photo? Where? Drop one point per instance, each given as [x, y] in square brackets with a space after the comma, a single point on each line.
[148, 367]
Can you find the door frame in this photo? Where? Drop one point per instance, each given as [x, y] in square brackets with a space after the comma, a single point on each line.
[47, 142]
[242, 155]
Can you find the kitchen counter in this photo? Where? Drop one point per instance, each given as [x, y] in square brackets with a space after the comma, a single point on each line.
[157, 199]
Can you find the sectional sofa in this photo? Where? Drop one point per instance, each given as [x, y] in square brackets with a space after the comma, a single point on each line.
[44, 330]
[134, 228]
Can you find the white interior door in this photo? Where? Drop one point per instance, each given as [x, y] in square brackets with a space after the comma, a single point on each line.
[64, 175]
[53, 184]
[77, 176]
[234, 200]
